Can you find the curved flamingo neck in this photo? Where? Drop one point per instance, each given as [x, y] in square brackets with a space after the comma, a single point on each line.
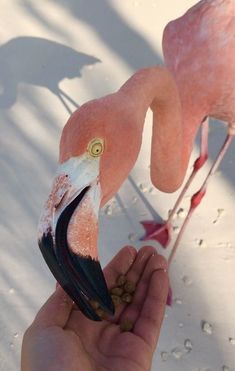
[155, 87]
[149, 86]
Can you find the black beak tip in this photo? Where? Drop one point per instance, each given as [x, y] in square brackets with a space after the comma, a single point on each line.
[82, 278]
[87, 272]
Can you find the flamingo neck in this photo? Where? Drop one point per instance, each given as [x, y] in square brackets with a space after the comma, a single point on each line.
[151, 87]
[155, 87]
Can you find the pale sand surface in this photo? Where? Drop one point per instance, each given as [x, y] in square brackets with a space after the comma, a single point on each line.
[123, 36]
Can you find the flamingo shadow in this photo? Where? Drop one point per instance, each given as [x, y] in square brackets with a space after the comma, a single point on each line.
[41, 62]
[102, 17]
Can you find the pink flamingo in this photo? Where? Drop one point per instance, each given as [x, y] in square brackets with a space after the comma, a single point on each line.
[192, 46]
[101, 141]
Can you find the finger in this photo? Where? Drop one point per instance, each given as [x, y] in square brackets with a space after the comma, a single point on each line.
[154, 263]
[134, 275]
[56, 311]
[149, 322]
[138, 267]
[120, 264]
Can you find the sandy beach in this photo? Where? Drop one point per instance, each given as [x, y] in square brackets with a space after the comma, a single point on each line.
[54, 56]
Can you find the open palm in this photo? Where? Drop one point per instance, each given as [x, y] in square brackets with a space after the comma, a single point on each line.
[61, 338]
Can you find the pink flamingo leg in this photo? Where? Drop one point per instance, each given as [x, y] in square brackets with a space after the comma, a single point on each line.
[162, 232]
[197, 197]
[195, 201]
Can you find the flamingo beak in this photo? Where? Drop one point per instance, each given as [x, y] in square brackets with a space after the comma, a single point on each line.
[68, 231]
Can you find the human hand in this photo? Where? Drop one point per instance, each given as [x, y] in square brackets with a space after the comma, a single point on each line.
[62, 338]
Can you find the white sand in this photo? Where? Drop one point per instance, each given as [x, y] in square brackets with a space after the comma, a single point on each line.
[124, 36]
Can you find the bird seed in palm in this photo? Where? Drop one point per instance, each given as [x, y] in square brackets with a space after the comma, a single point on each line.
[121, 280]
[116, 300]
[129, 287]
[101, 313]
[95, 305]
[118, 291]
[127, 298]
[126, 325]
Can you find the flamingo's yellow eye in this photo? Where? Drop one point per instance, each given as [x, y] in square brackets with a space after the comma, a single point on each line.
[96, 147]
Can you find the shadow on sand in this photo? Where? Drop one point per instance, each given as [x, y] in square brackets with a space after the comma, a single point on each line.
[41, 62]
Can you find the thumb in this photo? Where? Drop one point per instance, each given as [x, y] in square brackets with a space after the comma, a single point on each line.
[56, 310]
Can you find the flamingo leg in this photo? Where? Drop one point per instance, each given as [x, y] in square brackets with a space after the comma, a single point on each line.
[197, 197]
[162, 232]
[196, 200]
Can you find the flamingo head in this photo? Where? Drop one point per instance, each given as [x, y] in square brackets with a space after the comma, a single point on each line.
[96, 155]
